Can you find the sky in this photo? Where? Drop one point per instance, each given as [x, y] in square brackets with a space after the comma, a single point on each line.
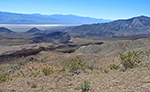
[106, 9]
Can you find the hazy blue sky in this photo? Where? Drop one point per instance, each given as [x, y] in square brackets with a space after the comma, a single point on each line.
[107, 9]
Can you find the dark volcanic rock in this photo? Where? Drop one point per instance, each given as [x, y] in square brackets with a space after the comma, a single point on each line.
[4, 30]
[130, 27]
[54, 37]
[33, 31]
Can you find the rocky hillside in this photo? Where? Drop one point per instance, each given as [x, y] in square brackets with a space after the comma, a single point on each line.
[4, 30]
[54, 37]
[113, 48]
[129, 27]
[33, 30]
[38, 73]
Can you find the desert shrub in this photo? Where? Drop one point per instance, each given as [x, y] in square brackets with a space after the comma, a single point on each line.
[36, 74]
[77, 88]
[55, 76]
[114, 66]
[22, 73]
[47, 71]
[76, 64]
[131, 59]
[3, 78]
[63, 69]
[84, 86]
[33, 85]
[30, 75]
[18, 75]
[106, 71]
[147, 52]
[32, 67]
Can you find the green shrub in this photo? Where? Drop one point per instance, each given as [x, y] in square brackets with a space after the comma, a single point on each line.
[131, 59]
[30, 75]
[22, 73]
[33, 85]
[32, 67]
[76, 64]
[77, 88]
[61, 70]
[147, 52]
[106, 71]
[55, 76]
[84, 86]
[3, 78]
[18, 75]
[114, 66]
[35, 75]
[47, 71]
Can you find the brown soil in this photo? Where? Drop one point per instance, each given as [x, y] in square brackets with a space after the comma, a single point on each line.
[101, 78]
[136, 79]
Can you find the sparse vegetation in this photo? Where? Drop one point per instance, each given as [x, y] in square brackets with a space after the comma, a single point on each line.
[106, 71]
[114, 66]
[18, 75]
[84, 86]
[147, 52]
[61, 70]
[77, 88]
[75, 64]
[131, 60]
[33, 85]
[3, 78]
[47, 71]
[32, 67]
[55, 76]
[35, 75]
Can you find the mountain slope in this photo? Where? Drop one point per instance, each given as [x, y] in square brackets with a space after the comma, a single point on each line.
[17, 18]
[130, 27]
[4, 30]
[33, 30]
[54, 37]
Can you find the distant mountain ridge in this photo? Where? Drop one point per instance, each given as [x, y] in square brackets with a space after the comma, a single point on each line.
[129, 27]
[136, 26]
[18, 18]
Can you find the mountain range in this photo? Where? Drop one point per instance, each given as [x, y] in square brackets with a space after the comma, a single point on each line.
[136, 26]
[130, 27]
[18, 18]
